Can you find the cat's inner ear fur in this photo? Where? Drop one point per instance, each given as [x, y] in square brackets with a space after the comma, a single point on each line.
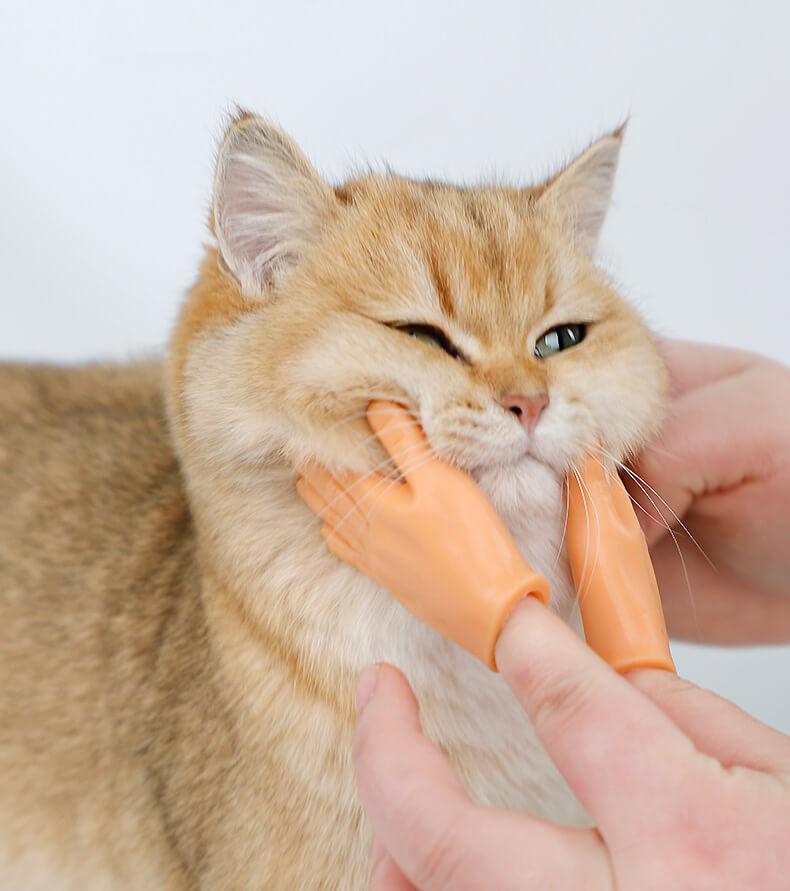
[269, 203]
[583, 190]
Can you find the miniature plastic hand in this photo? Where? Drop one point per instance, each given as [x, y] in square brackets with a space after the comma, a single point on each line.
[433, 540]
[618, 595]
[437, 545]
[687, 792]
[722, 464]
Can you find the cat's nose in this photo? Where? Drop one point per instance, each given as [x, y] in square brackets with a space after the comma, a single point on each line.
[527, 409]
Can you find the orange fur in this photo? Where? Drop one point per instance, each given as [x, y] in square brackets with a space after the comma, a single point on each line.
[182, 648]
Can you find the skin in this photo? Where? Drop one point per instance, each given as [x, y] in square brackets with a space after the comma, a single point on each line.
[686, 790]
[722, 465]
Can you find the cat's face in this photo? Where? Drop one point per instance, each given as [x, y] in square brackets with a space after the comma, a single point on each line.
[479, 309]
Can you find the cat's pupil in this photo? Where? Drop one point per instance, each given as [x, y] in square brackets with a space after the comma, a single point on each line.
[552, 340]
[560, 338]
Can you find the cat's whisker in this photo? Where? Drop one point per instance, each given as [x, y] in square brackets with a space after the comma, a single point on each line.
[407, 468]
[661, 451]
[473, 437]
[596, 539]
[376, 493]
[583, 576]
[564, 531]
[692, 600]
[381, 464]
[350, 419]
[360, 415]
[399, 426]
[659, 519]
[643, 483]
[684, 568]
[362, 479]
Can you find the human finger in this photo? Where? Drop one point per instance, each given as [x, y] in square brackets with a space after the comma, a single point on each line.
[700, 451]
[692, 365]
[715, 725]
[385, 874]
[706, 605]
[437, 837]
[603, 735]
[409, 791]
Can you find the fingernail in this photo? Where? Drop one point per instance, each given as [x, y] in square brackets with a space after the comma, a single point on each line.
[366, 686]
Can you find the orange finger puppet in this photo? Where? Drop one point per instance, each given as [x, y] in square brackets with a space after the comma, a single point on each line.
[614, 578]
[431, 537]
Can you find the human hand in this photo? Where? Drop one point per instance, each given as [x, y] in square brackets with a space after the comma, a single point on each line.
[722, 465]
[433, 540]
[687, 792]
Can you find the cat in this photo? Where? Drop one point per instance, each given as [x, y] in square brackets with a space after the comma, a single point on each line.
[179, 648]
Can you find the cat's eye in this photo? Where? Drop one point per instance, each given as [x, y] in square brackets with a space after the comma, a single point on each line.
[563, 337]
[433, 336]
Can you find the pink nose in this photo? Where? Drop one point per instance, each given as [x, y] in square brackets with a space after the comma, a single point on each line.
[527, 409]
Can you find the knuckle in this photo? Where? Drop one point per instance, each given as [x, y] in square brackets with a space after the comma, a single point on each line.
[561, 702]
[441, 864]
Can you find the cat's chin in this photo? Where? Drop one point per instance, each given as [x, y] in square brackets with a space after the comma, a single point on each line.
[522, 464]
[523, 487]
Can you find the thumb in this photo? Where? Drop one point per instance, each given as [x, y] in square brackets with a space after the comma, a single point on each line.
[604, 736]
[433, 835]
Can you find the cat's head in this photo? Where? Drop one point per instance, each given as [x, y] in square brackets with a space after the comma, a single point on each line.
[478, 308]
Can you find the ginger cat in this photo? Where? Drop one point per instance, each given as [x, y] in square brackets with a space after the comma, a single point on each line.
[178, 648]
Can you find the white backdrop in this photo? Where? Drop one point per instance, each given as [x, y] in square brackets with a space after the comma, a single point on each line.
[110, 113]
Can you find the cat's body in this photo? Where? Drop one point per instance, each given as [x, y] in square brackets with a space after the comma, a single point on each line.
[127, 760]
[178, 648]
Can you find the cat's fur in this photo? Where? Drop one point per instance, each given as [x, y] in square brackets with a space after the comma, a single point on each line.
[178, 649]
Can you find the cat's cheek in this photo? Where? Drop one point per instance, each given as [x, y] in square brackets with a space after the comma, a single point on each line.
[624, 420]
[615, 407]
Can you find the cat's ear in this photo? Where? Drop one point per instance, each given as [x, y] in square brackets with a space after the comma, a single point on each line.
[269, 202]
[582, 191]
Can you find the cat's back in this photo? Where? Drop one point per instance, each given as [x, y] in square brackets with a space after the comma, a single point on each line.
[86, 468]
[95, 553]
[53, 417]
[91, 503]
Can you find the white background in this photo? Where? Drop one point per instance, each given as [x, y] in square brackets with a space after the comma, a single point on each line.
[110, 114]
